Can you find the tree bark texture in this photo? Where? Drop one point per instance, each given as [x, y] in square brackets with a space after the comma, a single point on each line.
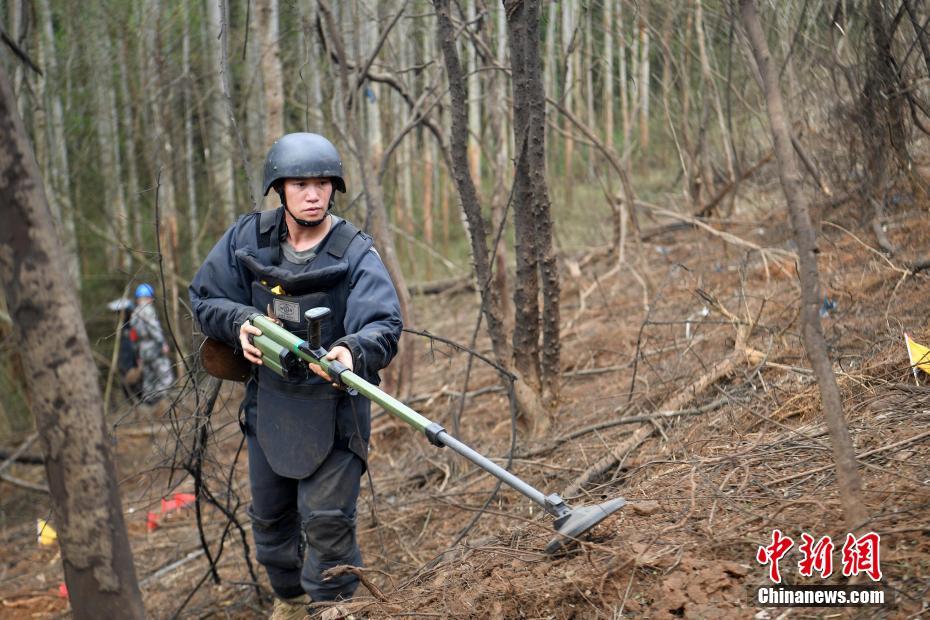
[111, 166]
[220, 157]
[272, 74]
[462, 172]
[165, 196]
[536, 260]
[643, 79]
[60, 181]
[62, 383]
[526, 285]
[843, 451]
[474, 94]
[189, 179]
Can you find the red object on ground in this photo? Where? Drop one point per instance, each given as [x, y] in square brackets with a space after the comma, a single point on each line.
[178, 501]
[62, 590]
[151, 523]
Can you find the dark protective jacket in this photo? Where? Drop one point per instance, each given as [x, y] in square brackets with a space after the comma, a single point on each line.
[297, 422]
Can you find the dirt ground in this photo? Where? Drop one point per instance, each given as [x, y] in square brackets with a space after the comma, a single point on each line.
[717, 343]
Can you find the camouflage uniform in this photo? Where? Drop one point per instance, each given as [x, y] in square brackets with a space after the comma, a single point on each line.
[157, 375]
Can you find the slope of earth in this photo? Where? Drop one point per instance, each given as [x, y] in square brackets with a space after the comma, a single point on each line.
[685, 390]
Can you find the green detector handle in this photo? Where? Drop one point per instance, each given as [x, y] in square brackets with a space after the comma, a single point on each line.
[570, 523]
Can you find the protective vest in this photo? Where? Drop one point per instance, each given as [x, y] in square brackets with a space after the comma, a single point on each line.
[297, 422]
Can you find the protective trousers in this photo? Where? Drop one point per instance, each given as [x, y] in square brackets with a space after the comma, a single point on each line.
[304, 527]
[157, 374]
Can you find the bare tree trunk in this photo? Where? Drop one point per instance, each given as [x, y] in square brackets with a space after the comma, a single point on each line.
[432, 166]
[551, 65]
[272, 80]
[607, 103]
[272, 74]
[464, 180]
[165, 196]
[444, 202]
[527, 399]
[709, 88]
[624, 82]
[311, 55]
[429, 179]
[63, 388]
[643, 78]
[526, 286]
[474, 97]
[589, 83]
[501, 127]
[253, 95]
[536, 260]
[60, 181]
[107, 127]
[17, 12]
[806, 240]
[568, 94]
[134, 203]
[220, 156]
[192, 226]
[407, 157]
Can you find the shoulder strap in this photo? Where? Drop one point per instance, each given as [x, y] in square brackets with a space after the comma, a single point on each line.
[340, 238]
[265, 225]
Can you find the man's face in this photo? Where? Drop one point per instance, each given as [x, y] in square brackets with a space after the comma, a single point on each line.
[308, 199]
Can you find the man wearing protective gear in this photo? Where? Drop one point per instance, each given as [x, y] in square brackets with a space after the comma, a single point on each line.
[307, 440]
[157, 375]
[127, 360]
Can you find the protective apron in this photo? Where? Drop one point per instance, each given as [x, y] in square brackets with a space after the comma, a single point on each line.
[297, 422]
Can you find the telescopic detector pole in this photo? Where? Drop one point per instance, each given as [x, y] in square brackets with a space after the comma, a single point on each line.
[568, 522]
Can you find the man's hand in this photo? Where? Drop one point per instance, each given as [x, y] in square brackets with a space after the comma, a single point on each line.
[338, 353]
[249, 350]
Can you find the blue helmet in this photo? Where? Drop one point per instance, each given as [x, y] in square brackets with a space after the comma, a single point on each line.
[145, 290]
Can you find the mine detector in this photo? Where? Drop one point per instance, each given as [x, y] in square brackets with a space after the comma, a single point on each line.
[287, 355]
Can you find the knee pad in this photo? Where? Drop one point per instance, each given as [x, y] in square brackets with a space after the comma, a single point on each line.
[277, 541]
[331, 534]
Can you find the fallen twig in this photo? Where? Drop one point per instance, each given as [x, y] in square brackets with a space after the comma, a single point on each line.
[18, 452]
[619, 452]
[343, 569]
[817, 470]
[31, 486]
[164, 570]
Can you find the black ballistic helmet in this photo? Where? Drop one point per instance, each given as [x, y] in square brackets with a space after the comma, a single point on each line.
[302, 156]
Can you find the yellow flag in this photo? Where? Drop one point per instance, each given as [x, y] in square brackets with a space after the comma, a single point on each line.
[918, 354]
[47, 535]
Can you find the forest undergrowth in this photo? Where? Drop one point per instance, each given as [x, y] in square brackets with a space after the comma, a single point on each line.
[693, 401]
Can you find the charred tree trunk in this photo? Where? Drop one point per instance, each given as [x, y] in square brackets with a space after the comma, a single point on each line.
[491, 302]
[536, 260]
[805, 237]
[62, 385]
[526, 285]
[462, 174]
[882, 106]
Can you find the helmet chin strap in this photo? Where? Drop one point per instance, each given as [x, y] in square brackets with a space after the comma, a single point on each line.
[300, 222]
